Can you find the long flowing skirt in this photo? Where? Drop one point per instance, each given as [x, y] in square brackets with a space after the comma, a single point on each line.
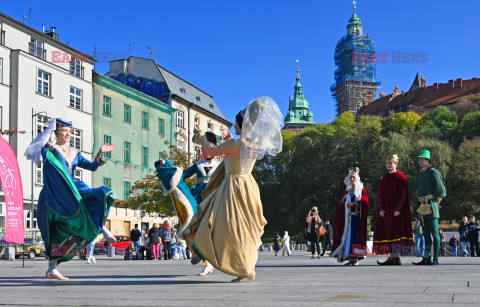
[70, 213]
[228, 225]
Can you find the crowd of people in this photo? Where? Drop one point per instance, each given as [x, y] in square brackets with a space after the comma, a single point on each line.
[159, 243]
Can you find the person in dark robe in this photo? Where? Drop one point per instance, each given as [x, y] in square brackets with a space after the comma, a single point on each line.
[276, 243]
[393, 220]
[350, 228]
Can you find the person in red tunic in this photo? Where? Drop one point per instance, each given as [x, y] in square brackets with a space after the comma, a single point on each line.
[350, 228]
[393, 221]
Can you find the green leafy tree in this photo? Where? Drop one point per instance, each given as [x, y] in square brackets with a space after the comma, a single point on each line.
[404, 122]
[464, 180]
[468, 128]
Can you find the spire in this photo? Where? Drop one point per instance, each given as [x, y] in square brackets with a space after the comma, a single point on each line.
[298, 87]
[298, 115]
[298, 71]
[354, 24]
[417, 82]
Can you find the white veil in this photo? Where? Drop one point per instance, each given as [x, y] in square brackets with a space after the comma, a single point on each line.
[34, 150]
[261, 129]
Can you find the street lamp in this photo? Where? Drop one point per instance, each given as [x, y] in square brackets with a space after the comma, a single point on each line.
[33, 194]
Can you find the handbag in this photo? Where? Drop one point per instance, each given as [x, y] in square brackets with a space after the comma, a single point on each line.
[320, 231]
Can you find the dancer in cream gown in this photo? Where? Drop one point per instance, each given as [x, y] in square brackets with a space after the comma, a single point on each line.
[229, 222]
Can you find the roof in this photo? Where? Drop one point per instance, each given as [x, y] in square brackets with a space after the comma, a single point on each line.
[50, 39]
[190, 93]
[423, 97]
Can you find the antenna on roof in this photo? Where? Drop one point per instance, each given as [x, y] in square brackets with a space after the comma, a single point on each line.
[28, 16]
[151, 51]
[94, 55]
[130, 48]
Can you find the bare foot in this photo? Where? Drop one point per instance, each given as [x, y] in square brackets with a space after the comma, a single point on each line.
[56, 275]
[242, 279]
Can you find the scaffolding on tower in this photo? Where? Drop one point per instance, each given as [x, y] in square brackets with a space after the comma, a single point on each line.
[355, 74]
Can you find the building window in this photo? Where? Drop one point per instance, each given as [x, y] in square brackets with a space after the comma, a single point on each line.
[196, 121]
[161, 126]
[127, 185]
[198, 153]
[107, 182]
[180, 145]
[182, 90]
[39, 174]
[42, 123]
[2, 37]
[198, 98]
[126, 151]
[1, 70]
[36, 49]
[76, 139]
[78, 174]
[145, 124]
[43, 83]
[75, 98]
[145, 156]
[180, 119]
[34, 219]
[127, 113]
[107, 140]
[76, 67]
[210, 127]
[107, 106]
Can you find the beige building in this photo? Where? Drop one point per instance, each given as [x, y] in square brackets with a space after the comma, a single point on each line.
[121, 220]
[193, 105]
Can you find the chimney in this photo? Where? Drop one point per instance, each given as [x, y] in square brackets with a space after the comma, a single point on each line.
[435, 86]
[396, 89]
[459, 82]
[424, 82]
[451, 83]
[382, 95]
[52, 33]
[403, 92]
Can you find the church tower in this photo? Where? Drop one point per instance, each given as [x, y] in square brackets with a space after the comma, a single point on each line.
[356, 82]
[298, 116]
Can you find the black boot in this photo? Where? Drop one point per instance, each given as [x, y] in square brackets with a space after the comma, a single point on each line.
[389, 261]
[396, 261]
[425, 261]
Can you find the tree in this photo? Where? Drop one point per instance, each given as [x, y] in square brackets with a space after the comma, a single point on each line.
[465, 181]
[404, 122]
[468, 128]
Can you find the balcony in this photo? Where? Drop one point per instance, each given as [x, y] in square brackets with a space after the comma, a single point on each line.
[37, 50]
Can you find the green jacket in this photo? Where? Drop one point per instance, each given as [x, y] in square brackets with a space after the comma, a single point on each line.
[418, 230]
[430, 182]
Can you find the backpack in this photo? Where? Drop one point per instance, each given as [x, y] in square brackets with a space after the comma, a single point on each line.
[134, 235]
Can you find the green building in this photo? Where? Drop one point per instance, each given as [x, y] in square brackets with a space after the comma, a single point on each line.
[298, 116]
[141, 126]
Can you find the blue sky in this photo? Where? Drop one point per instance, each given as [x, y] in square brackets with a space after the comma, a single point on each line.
[240, 50]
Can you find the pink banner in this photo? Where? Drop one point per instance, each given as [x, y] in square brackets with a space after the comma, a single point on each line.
[12, 189]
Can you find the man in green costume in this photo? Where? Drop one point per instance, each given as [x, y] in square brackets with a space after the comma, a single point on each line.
[430, 191]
